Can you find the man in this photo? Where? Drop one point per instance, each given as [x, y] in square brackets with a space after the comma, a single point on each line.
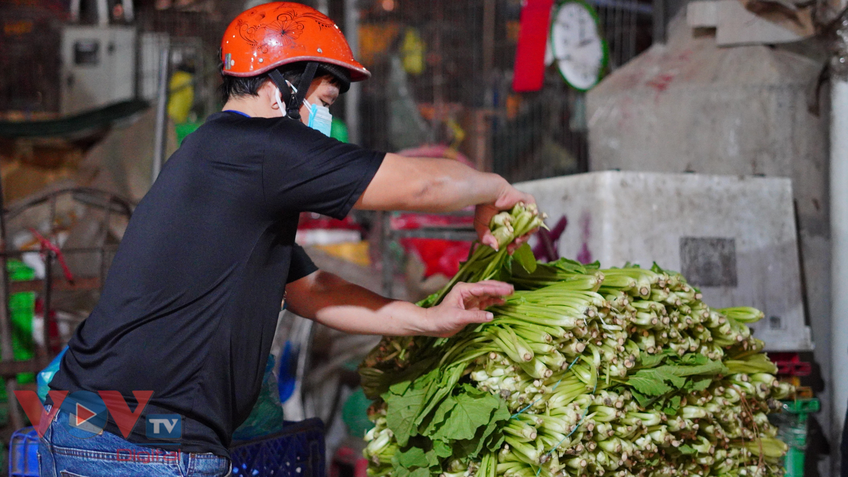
[190, 305]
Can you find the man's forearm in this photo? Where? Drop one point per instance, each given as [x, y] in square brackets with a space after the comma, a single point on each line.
[344, 306]
[453, 185]
[396, 318]
[429, 185]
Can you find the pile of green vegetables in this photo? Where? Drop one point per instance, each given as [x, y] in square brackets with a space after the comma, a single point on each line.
[583, 371]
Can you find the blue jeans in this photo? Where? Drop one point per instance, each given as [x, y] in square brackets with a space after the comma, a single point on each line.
[61, 454]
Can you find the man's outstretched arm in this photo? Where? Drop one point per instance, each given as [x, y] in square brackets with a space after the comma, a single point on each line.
[344, 306]
[440, 185]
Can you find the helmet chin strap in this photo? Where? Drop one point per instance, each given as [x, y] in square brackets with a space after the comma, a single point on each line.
[283, 90]
[293, 104]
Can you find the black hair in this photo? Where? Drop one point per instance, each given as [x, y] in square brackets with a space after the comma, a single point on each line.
[235, 86]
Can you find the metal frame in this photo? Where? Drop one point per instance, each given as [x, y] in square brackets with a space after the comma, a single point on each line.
[112, 204]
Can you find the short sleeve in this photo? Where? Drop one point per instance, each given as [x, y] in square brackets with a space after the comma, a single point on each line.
[303, 170]
[301, 265]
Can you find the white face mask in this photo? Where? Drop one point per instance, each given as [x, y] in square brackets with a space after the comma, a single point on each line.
[280, 104]
[320, 118]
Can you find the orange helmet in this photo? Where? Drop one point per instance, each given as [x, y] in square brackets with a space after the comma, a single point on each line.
[278, 33]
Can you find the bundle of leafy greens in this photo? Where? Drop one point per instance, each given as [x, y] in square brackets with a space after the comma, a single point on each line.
[583, 371]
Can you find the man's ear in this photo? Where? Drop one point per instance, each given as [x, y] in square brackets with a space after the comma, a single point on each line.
[268, 94]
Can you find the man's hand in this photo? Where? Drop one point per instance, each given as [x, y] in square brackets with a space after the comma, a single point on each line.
[465, 304]
[508, 197]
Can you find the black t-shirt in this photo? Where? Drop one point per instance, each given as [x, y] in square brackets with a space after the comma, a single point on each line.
[190, 305]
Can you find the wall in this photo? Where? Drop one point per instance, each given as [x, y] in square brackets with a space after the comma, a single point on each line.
[690, 106]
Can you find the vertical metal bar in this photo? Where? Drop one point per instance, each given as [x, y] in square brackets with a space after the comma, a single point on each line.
[48, 291]
[619, 35]
[659, 21]
[160, 142]
[44, 354]
[50, 233]
[480, 120]
[102, 13]
[6, 352]
[438, 79]
[75, 10]
[488, 40]
[129, 10]
[839, 228]
[631, 37]
[351, 30]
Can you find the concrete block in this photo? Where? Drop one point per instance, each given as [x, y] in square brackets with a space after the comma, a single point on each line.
[733, 237]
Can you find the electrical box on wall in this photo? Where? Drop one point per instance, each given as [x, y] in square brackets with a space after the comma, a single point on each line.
[733, 237]
[98, 66]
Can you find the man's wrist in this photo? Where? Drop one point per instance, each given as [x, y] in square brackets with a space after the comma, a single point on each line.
[496, 187]
[409, 318]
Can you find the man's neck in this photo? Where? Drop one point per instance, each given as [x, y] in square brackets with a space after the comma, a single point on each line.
[252, 107]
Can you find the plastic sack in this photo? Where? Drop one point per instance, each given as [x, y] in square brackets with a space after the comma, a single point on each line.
[267, 414]
[181, 98]
[46, 375]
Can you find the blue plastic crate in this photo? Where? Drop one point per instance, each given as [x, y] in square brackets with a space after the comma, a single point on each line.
[23, 453]
[297, 451]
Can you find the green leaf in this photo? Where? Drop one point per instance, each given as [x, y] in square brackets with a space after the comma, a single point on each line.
[496, 440]
[672, 405]
[472, 410]
[686, 449]
[441, 412]
[401, 387]
[661, 375]
[567, 265]
[447, 380]
[644, 401]
[699, 384]
[525, 257]
[463, 449]
[413, 457]
[711, 368]
[650, 360]
[399, 471]
[648, 386]
[676, 381]
[433, 460]
[488, 438]
[485, 436]
[694, 359]
[442, 449]
[420, 472]
[403, 409]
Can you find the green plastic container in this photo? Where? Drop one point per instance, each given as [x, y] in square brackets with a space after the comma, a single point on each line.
[22, 312]
[18, 271]
[792, 429]
[355, 413]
